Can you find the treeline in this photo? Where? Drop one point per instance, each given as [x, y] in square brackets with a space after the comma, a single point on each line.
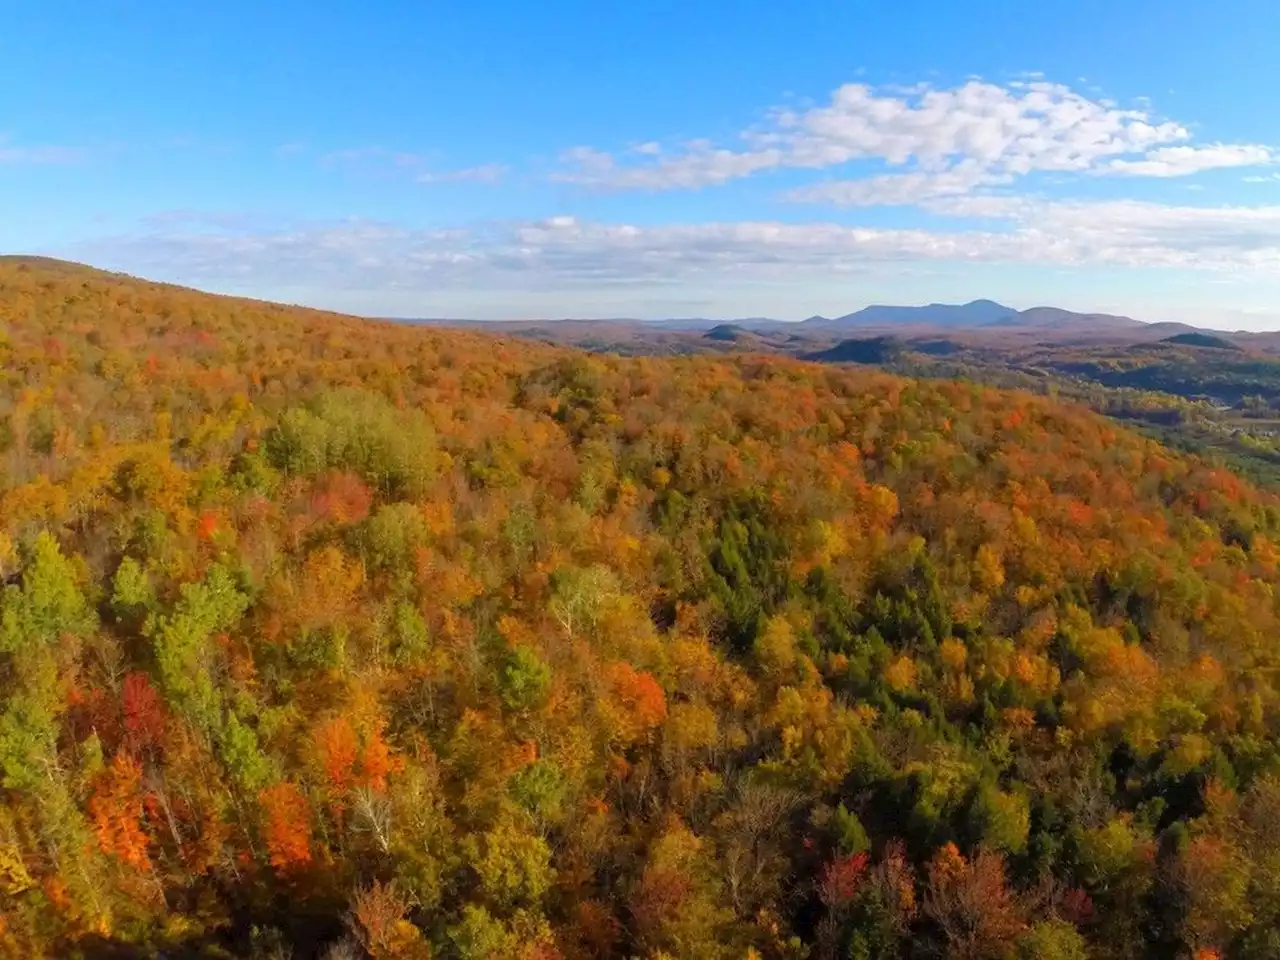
[324, 637]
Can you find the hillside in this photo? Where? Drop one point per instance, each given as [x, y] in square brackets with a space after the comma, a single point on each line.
[727, 333]
[1174, 382]
[877, 350]
[1071, 323]
[359, 638]
[1197, 339]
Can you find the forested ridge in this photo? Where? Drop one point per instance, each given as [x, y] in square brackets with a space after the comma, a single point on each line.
[323, 637]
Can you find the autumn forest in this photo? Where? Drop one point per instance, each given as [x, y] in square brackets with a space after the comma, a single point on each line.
[327, 637]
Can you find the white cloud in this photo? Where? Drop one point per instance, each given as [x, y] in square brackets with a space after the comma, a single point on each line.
[897, 189]
[1138, 234]
[1015, 129]
[944, 141]
[953, 153]
[699, 166]
[1184, 161]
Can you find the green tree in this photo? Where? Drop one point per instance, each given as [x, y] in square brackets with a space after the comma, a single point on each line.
[512, 863]
[47, 604]
[1052, 940]
[1001, 820]
[184, 649]
[524, 679]
[248, 765]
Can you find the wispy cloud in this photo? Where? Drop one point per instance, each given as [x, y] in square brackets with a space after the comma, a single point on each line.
[898, 189]
[1185, 161]
[414, 164]
[699, 164]
[485, 173]
[564, 252]
[368, 155]
[199, 220]
[38, 155]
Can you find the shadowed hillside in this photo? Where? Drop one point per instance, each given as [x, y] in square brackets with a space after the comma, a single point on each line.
[1200, 340]
[867, 350]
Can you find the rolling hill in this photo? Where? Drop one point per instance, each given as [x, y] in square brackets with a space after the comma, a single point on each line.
[1068, 321]
[1203, 340]
[322, 636]
[873, 350]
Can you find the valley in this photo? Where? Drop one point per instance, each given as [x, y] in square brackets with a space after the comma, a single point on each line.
[1202, 391]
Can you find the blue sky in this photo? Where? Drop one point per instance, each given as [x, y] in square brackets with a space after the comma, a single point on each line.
[507, 159]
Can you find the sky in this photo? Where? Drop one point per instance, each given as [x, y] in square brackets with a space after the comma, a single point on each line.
[501, 159]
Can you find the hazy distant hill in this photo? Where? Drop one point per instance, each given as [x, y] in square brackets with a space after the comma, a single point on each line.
[1050, 317]
[977, 313]
[985, 321]
[726, 333]
[1201, 340]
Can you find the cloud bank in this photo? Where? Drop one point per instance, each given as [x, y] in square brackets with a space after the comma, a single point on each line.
[566, 252]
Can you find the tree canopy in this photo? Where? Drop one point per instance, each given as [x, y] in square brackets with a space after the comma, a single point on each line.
[356, 638]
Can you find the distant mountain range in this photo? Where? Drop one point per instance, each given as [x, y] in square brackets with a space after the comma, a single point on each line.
[964, 316]
[987, 319]
[975, 314]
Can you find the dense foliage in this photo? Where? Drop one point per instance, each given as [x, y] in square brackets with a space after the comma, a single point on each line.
[342, 638]
[1193, 391]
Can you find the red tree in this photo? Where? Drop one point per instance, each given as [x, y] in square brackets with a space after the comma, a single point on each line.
[116, 808]
[144, 715]
[287, 827]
